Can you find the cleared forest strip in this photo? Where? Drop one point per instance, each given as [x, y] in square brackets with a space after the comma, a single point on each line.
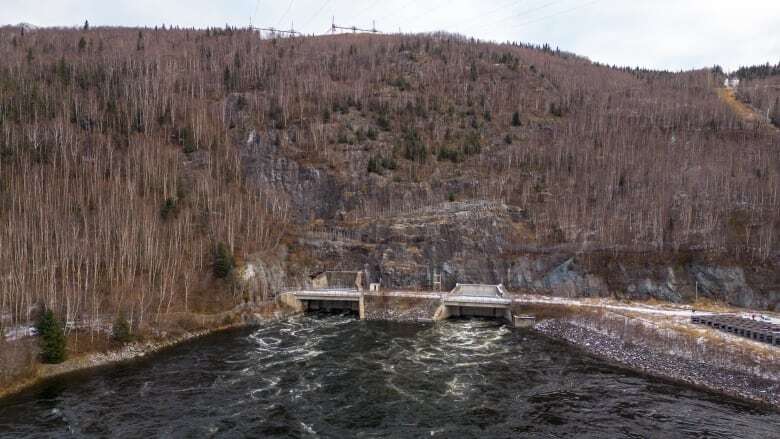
[745, 111]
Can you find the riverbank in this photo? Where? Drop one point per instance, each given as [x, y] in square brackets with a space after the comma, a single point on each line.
[645, 359]
[667, 350]
[238, 318]
[87, 361]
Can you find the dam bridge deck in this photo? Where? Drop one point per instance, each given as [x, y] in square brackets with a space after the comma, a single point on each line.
[464, 300]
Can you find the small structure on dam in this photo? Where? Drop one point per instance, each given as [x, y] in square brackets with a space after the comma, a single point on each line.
[338, 280]
[475, 300]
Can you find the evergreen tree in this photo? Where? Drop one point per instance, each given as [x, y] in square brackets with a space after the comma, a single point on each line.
[223, 261]
[414, 148]
[52, 339]
[121, 330]
[516, 119]
[775, 115]
[86, 24]
[168, 209]
[82, 44]
[227, 79]
[374, 166]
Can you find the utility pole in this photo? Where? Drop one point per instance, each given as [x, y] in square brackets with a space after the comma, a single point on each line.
[335, 28]
[437, 280]
[292, 32]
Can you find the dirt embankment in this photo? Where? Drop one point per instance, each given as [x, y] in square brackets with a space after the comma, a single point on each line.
[715, 362]
[239, 317]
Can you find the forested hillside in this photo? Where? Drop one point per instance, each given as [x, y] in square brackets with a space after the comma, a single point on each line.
[760, 88]
[128, 156]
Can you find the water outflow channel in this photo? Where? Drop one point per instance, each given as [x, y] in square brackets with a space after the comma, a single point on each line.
[333, 376]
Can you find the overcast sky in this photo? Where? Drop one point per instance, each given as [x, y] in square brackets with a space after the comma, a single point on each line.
[668, 34]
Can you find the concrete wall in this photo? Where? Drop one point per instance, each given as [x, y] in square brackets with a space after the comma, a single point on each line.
[445, 312]
[331, 305]
[320, 282]
[289, 300]
[338, 279]
[372, 307]
[399, 308]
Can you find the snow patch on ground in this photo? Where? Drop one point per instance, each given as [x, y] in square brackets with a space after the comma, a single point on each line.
[19, 332]
[682, 311]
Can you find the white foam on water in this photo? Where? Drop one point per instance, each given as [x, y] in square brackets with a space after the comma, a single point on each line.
[270, 385]
[457, 388]
[308, 428]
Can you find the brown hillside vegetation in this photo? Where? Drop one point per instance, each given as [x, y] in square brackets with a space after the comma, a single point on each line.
[763, 94]
[126, 155]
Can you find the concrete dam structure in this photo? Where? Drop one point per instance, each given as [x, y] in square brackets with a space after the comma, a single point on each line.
[345, 291]
[475, 300]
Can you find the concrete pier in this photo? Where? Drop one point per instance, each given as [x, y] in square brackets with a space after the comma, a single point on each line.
[523, 321]
[324, 300]
[471, 300]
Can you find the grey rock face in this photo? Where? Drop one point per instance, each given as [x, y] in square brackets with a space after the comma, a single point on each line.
[567, 281]
[401, 237]
[262, 276]
[648, 288]
[312, 192]
[726, 283]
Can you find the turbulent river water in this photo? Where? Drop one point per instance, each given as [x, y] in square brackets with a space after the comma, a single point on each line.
[333, 376]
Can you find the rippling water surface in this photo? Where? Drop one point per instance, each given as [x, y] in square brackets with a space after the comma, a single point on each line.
[337, 377]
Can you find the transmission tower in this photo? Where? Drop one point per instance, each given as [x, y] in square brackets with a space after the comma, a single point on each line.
[334, 28]
[291, 32]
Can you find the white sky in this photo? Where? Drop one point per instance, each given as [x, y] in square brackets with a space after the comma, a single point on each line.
[668, 34]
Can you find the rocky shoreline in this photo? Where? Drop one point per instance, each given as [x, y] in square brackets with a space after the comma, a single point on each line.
[128, 352]
[662, 365]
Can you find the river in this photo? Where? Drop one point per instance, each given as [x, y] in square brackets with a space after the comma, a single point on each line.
[333, 376]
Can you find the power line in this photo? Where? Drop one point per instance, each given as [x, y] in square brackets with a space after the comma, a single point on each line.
[566, 11]
[481, 16]
[334, 27]
[257, 6]
[530, 11]
[316, 14]
[275, 31]
[289, 7]
[364, 10]
[399, 10]
[478, 20]
[428, 11]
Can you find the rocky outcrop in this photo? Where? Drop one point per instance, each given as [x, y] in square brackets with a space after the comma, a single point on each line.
[391, 228]
[727, 283]
[477, 243]
[312, 192]
[262, 275]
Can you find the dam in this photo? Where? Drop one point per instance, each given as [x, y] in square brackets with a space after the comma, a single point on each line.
[346, 291]
[475, 300]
